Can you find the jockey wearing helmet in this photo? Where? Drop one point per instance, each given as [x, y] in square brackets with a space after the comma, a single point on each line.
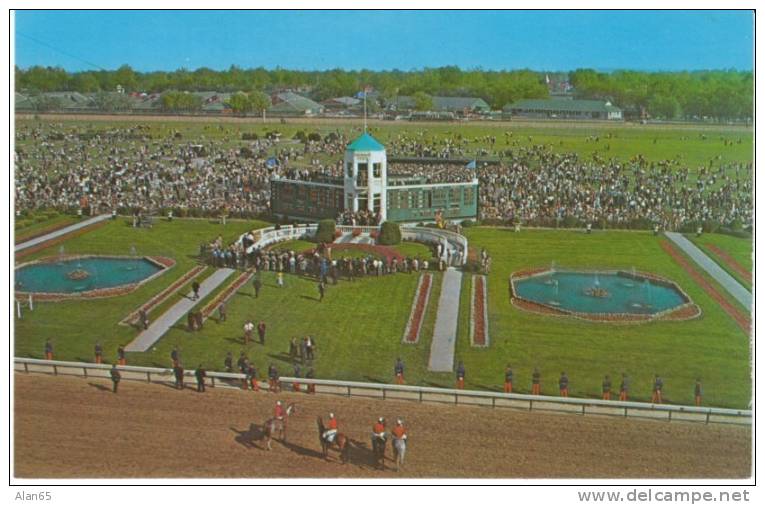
[399, 432]
[378, 430]
[329, 434]
[279, 411]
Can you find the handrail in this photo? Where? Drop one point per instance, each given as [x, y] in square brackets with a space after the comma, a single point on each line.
[420, 390]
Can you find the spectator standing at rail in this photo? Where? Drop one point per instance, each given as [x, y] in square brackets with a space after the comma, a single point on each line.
[200, 374]
[121, 355]
[296, 374]
[115, 377]
[607, 388]
[178, 373]
[48, 349]
[273, 378]
[248, 328]
[262, 332]
[563, 384]
[311, 388]
[536, 379]
[508, 379]
[658, 384]
[460, 375]
[697, 392]
[624, 388]
[195, 288]
[252, 373]
[175, 356]
[398, 370]
[99, 352]
[311, 347]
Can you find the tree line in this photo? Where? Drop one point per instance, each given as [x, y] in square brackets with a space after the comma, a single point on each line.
[718, 94]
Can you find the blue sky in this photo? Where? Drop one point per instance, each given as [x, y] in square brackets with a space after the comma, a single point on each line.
[377, 40]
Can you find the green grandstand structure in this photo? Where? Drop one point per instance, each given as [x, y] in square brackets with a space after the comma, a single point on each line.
[366, 185]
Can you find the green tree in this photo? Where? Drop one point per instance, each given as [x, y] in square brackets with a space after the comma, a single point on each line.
[422, 101]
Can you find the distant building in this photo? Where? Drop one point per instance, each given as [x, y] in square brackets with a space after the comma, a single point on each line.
[366, 185]
[561, 108]
[292, 104]
[343, 103]
[459, 105]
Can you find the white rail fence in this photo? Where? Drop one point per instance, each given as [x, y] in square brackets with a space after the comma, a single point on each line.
[416, 393]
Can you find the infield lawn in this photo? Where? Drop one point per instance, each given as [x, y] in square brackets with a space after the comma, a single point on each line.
[359, 325]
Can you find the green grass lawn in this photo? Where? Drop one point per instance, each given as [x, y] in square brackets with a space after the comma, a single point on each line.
[740, 249]
[359, 325]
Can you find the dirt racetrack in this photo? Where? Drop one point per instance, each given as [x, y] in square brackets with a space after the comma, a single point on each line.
[76, 427]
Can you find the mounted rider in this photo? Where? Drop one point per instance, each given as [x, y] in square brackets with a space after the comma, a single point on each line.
[279, 411]
[399, 432]
[331, 431]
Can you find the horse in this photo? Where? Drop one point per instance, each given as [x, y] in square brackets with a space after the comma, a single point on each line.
[399, 450]
[378, 448]
[274, 426]
[341, 441]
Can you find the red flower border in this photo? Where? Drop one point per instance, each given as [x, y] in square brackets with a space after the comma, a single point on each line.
[226, 294]
[163, 295]
[419, 306]
[478, 323]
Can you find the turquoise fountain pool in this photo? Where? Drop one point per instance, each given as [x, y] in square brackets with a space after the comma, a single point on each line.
[78, 275]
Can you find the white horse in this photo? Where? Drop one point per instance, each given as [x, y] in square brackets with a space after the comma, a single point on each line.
[399, 450]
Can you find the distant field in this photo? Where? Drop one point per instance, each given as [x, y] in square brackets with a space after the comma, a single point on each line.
[359, 325]
[692, 145]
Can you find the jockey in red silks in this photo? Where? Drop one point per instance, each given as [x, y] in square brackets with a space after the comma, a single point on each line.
[378, 430]
[279, 411]
[329, 434]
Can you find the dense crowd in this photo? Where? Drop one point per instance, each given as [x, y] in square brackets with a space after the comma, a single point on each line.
[128, 168]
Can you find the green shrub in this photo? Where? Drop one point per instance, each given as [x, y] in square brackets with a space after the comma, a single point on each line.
[390, 234]
[326, 231]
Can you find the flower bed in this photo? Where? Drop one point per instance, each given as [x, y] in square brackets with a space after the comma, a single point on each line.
[226, 294]
[164, 294]
[381, 251]
[479, 321]
[419, 306]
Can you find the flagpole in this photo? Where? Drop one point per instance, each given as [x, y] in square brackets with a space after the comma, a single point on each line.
[365, 109]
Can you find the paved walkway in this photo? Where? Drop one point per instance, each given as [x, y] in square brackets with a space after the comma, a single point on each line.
[445, 331]
[60, 232]
[146, 338]
[730, 284]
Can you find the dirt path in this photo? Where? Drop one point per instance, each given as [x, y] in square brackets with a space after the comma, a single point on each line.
[75, 427]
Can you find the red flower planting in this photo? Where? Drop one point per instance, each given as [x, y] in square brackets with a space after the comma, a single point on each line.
[479, 311]
[381, 251]
[165, 293]
[412, 334]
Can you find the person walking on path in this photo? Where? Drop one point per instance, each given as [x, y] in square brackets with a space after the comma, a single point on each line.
[398, 370]
[460, 376]
[508, 379]
[200, 374]
[143, 317]
[115, 377]
[607, 388]
[48, 350]
[262, 332]
[658, 384]
[121, 355]
[624, 388]
[697, 393]
[563, 384]
[99, 352]
[195, 288]
[536, 380]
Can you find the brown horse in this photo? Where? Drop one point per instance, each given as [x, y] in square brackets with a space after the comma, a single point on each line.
[340, 441]
[378, 448]
[274, 426]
